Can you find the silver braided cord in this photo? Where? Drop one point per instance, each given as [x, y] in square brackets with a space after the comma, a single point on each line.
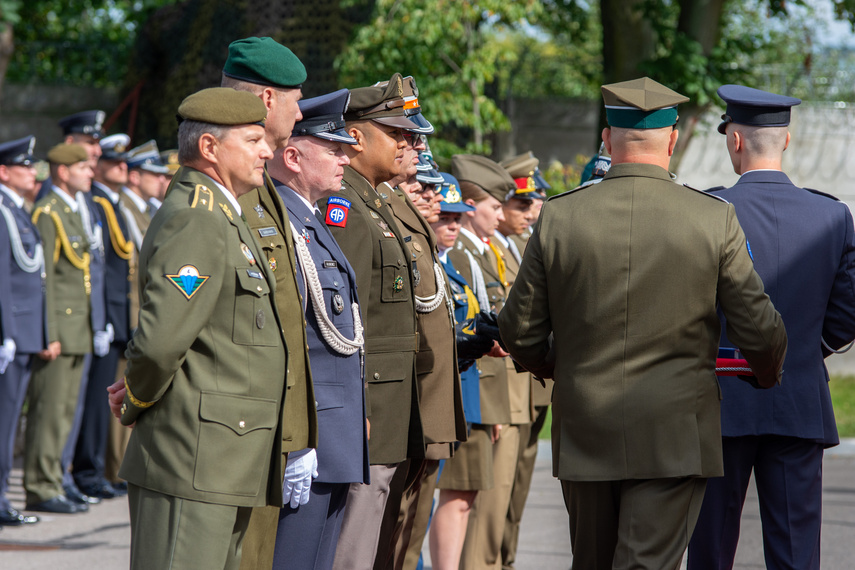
[331, 334]
[93, 235]
[841, 351]
[24, 261]
[429, 304]
[133, 227]
[479, 286]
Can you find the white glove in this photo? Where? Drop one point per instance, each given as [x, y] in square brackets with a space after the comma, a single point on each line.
[301, 467]
[110, 332]
[7, 354]
[101, 342]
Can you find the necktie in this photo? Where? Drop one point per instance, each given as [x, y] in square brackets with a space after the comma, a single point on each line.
[320, 217]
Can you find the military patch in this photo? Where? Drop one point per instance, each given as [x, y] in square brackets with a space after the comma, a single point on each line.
[383, 225]
[272, 263]
[388, 234]
[267, 232]
[398, 284]
[374, 214]
[254, 274]
[227, 212]
[188, 280]
[247, 253]
[384, 195]
[337, 210]
[338, 304]
[378, 203]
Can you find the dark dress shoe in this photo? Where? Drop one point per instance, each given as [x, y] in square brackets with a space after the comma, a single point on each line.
[58, 504]
[11, 517]
[73, 494]
[121, 487]
[102, 490]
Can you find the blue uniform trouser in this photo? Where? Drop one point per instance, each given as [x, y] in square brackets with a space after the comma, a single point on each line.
[91, 449]
[13, 390]
[788, 475]
[307, 536]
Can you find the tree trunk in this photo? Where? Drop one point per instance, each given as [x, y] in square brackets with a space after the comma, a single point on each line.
[7, 48]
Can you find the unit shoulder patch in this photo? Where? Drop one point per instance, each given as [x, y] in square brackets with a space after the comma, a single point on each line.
[188, 280]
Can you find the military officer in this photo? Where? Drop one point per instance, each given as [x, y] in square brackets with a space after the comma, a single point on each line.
[146, 177]
[274, 74]
[111, 174]
[520, 212]
[780, 435]
[365, 228]
[310, 168]
[62, 221]
[22, 304]
[84, 128]
[626, 275]
[206, 366]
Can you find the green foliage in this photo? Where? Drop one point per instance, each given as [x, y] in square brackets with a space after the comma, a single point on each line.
[453, 49]
[10, 12]
[843, 400]
[80, 42]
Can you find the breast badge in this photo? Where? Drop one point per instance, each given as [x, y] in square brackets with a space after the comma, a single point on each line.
[188, 280]
[398, 284]
[272, 263]
[247, 253]
[337, 304]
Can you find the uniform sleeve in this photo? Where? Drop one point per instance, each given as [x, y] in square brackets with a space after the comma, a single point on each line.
[355, 242]
[753, 324]
[173, 312]
[7, 323]
[838, 329]
[524, 321]
[47, 230]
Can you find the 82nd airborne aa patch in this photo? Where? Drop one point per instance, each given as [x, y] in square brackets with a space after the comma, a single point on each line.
[188, 280]
[337, 210]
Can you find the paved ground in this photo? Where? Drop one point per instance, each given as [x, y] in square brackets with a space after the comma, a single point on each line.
[100, 539]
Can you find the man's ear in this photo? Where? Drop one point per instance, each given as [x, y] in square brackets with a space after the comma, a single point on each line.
[787, 143]
[207, 145]
[360, 137]
[672, 141]
[607, 139]
[268, 96]
[291, 159]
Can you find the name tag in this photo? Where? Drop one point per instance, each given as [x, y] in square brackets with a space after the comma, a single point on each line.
[407, 239]
[254, 274]
[267, 232]
[330, 264]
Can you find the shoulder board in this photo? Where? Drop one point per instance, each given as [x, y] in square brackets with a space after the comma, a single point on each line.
[203, 197]
[716, 189]
[707, 192]
[576, 189]
[818, 193]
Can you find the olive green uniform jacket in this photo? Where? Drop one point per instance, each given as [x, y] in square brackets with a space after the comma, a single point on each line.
[440, 398]
[376, 250]
[206, 367]
[627, 275]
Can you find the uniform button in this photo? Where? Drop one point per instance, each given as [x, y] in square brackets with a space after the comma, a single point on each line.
[377, 376]
[272, 244]
[316, 404]
[335, 283]
[74, 245]
[241, 424]
[68, 311]
[259, 288]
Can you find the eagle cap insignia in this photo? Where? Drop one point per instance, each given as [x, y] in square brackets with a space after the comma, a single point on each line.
[188, 280]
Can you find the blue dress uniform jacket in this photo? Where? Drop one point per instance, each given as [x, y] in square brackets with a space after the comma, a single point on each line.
[469, 377]
[118, 249]
[22, 319]
[808, 269]
[342, 438]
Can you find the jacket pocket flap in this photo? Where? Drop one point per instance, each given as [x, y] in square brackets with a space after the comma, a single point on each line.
[252, 279]
[239, 413]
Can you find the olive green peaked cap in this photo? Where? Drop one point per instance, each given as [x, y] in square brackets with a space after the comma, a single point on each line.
[223, 106]
[641, 104]
[264, 61]
[485, 173]
[67, 154]
[383, 103]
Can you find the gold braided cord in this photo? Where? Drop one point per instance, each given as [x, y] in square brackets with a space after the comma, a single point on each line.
[121, 246]
[472, 301]
[134, 401]
[78, 262]
[500, 263]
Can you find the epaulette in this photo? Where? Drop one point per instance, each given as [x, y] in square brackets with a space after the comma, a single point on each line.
[568, 192]
[818, 193]
[203, 197]
[707, 193]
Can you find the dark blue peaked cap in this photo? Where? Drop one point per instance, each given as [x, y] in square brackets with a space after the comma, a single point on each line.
[323, 117]
[753, 107]
[86, 122]
[18, 152]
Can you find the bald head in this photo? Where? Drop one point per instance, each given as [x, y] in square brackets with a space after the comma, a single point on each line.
[646, 146]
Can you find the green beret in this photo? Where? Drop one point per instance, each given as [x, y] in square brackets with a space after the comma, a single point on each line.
[483, 172]
[223, 106]
[264, 61]
[641, 104]
[67, 154]
[383, 103]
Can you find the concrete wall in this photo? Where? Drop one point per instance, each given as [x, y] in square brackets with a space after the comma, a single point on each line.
[35, 110]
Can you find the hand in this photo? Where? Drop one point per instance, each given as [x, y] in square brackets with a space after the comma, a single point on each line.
[101, 341]
[115, 396]
[495, 433]
[301, 467]
[52, 352]
[496, 351]
[7, 354]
